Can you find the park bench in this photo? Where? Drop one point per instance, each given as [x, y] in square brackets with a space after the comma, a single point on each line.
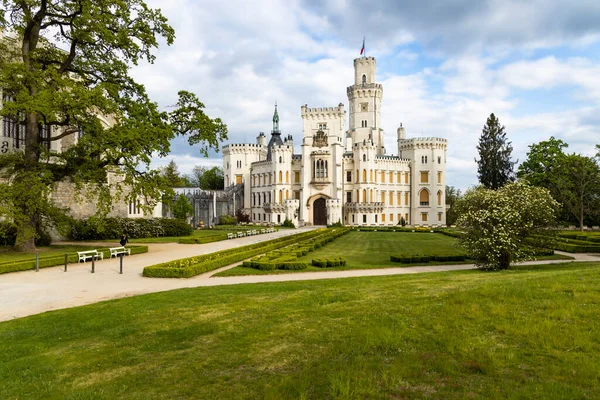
[89, 254]
[230, 236]
[254, 232]
[241, 234]
[596, 228]
[263, 230]
[115, 251]
[248, 233]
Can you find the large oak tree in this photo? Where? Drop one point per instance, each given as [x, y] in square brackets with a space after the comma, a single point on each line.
[64, 69]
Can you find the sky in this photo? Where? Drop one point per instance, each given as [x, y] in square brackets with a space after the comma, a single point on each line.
[444, 65]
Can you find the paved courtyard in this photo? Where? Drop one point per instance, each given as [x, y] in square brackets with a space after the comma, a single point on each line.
[28, 292]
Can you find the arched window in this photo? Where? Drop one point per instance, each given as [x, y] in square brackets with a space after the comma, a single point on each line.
[425, 159]
[364, 175]
[364, 79]
[325, 168]
[287, 194]
[422, 159]
[371, 195]
[371, 175]
[280, 160]
[281, 196]
[253, 199]
[439, 160]
[439, 198]
[287, 177]
[424, 197]
[364, 157]
[364, 195]
[280, 177]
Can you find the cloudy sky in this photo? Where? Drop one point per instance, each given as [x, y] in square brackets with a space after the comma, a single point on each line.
[445, 66]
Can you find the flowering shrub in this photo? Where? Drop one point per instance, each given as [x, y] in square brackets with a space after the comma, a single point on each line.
[506, 225]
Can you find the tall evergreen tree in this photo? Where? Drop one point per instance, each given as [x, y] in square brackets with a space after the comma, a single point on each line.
[494, 167]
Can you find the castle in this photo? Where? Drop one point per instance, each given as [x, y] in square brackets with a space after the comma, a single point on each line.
[341, 176]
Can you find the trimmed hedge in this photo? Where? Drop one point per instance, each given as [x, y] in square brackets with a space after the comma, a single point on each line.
[285, 258]
[577, 248]
[419, 258]
[203, 239]
[188, 267]
[111, 228]
[329, 262]
[46, 262]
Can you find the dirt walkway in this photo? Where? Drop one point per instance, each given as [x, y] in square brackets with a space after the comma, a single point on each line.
[27, 293]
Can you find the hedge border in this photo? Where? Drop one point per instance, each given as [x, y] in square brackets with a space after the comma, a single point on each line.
[191, 266]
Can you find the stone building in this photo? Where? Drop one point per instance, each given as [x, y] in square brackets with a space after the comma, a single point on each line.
[342, 175]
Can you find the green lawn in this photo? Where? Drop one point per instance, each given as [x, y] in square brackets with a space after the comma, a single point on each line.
[367, 250]
[7, 254]
[528, 333]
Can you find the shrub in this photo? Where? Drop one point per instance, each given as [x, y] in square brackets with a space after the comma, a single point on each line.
[328, 262]
[292, 265]
[112, 228]
[8, 234]
[227, 220]
[241, 216]
[288, 223]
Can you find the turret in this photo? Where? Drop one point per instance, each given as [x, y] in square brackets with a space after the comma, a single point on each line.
[261, 139]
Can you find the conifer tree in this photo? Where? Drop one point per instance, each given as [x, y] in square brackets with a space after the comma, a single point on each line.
[494, 167]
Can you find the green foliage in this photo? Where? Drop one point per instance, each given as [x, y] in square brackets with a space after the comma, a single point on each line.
[288, 224]
[171, 174]
[402, 222]
[227, 220]
[86, 95]
[572, 179]
[420, 258]
[452, 196]
[208, 178]
[337, 224]
[495, 224]
[182, 208]
[45, 262]
[330, 262]
[494, 167]
[112, 228]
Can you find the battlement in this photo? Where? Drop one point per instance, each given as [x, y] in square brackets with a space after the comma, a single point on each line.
[366, 86]
[243, 148]
[320, 112]
[423, 143]
[364, 61]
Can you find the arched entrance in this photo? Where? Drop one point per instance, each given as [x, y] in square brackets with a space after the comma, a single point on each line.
[319, 212]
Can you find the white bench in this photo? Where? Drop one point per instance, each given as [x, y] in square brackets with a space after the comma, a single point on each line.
[115, 251]
[248, 233]
[241, 234]
[254, 232]
[263, 230]
[89, 254]
[230, 236]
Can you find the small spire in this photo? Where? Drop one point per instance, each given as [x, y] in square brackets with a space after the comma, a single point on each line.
[275, 119]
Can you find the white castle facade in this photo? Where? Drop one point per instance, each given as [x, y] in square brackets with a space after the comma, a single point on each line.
[342, 175]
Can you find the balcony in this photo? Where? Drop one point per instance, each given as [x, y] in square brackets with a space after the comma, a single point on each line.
[364, 208]
[274, 207]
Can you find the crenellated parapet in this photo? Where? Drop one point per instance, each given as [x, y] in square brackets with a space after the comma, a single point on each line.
[423, 143]
[243, 148]
[323, 113]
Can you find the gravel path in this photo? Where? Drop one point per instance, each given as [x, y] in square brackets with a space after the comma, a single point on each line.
[27, 293]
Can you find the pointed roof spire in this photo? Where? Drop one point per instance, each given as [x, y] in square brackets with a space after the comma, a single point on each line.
[275, 120]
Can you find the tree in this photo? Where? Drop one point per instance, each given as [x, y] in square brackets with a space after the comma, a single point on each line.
[173, 177]
[452, 196]
[506, 225]
[543, 163]
[578, 186]
[65, 71]
[182, 208]
[494, 167]
[572, 179]
[208, 179]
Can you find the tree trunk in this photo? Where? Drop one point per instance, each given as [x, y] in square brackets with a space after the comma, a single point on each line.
[504, 260]
[581, 216]
[26, 231]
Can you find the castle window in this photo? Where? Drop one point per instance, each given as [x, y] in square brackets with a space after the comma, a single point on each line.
[375, 217]
[439, 217]
[364, 157]
[322, 126]
[280, 160]
[424, 197]
[439, 177]
[364, 79]
[424, 217]
[280, 177]
[348, 197]
[287, 177]
[297, 177]
[348, 176]
[364, 175]
[364, 218]
[439, 160]
[382, 217]
[439, 198]
[424, 177]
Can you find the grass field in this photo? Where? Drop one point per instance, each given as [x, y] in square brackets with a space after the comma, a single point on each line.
[367, 250]
[525, 333]
[7, 254]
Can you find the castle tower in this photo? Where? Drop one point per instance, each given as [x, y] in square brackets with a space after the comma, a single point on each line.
[364, 98]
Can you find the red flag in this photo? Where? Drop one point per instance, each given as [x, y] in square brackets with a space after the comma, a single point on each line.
[362, 50]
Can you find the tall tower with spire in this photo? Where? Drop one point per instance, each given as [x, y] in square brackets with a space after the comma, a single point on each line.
[364, 98]
[275, 135]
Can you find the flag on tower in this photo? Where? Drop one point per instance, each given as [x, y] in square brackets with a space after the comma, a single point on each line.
[362, 50]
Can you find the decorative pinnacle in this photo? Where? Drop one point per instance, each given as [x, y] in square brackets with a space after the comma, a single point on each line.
[275, 120]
